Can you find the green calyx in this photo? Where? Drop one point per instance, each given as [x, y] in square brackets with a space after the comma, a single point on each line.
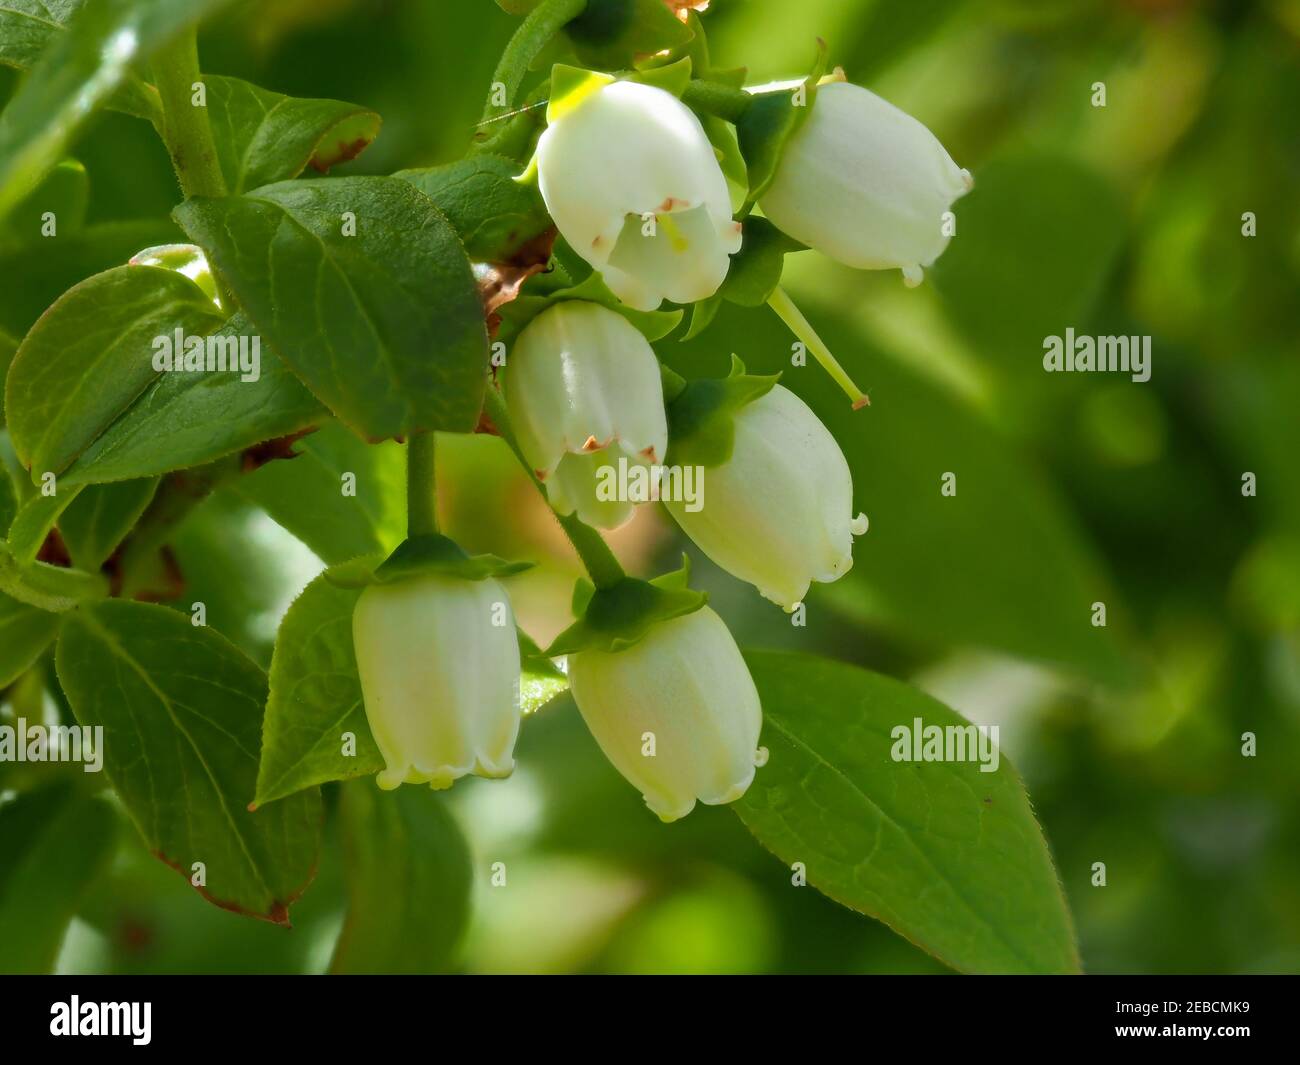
[617, 617]
[768, 124]
[418, 555]
[701, 415]
[515, 316]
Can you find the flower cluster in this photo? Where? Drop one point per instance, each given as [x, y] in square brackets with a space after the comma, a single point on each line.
[630, 174]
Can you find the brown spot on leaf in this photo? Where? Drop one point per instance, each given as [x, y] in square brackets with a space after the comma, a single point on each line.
[257, 456]
[342, 152]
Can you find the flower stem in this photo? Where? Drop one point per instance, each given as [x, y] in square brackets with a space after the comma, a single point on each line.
[714, 98]
[800, 327]
[600, 562]
[186, 128]
[421, 497]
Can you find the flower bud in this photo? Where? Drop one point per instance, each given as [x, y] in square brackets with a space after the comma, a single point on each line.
[634, 186]
[439, 663]
[779, 512]
[187, 259]
[866, 184]
[677, 713]
[583, 389]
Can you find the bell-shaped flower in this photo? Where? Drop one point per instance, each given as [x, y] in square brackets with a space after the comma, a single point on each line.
[779, 512]
[634, 186]
[438, 657]
[583, 389]
[866, 184]
[677, 713]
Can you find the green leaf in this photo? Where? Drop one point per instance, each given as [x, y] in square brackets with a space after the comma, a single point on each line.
[55, 842]
[47, 587]
[91, 355]
[77, 73]
[8, 492]
[494, 214]
[33, 523]
[181, 709]
[385, 327]
[306, 494]
[948, 856]
[188, 419]
[264, 136]
[315, 698]
[25, 632]
[27, 28]
[100, 518]
[63, 194]
[410, 882]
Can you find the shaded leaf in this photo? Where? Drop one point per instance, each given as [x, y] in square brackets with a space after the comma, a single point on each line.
[410, 881]
[309, 494]
[25, 631]
[181, 709]
[100, 518]
[55, 842]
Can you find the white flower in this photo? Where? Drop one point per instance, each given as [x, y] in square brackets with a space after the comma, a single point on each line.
[620, 155]
[583, 389]
[866, 184]
[779, 512]
[677, 713]
[440, 679]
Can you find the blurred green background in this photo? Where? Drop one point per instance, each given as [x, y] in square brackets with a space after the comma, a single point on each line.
[1072, 488]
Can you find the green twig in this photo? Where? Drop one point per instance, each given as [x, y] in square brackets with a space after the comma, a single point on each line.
[186, 128]
[421, 496]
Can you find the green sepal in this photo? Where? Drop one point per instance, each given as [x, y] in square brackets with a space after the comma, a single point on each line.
[702, 315]
[616, 618]
[701, 419]
[672, 77]
[533, 660]
[768, 124]
[53, 588]
[515, 316]
[570, 86]
[418, 555]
